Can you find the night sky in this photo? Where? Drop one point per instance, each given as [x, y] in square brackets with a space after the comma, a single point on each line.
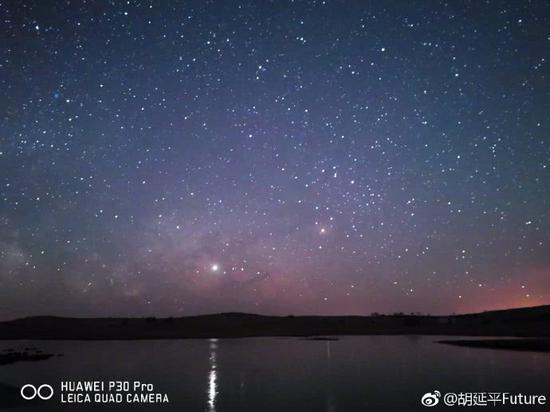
[306, 157]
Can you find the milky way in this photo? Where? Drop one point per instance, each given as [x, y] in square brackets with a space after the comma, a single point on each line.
[323, 157]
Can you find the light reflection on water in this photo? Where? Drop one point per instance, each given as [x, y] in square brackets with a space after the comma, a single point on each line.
[212, 376]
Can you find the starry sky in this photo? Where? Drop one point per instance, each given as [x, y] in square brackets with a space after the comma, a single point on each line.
[277, 157]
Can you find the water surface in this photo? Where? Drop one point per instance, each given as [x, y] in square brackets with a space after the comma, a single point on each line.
[355, 373]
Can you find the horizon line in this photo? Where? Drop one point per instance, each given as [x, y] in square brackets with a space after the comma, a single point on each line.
[372, 314]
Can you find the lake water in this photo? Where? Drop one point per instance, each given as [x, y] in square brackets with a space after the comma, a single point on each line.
[355, 373]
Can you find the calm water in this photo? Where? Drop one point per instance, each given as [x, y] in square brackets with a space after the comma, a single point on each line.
[367, 373]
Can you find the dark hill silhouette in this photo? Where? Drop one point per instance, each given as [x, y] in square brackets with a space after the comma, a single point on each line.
[526, 322]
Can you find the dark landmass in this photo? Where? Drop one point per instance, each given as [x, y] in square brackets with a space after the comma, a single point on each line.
[321, 338]
[532, 344]
[10, 356]
[522, 322]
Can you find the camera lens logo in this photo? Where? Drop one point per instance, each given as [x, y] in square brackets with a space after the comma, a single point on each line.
[29, 392]
[430, 399]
